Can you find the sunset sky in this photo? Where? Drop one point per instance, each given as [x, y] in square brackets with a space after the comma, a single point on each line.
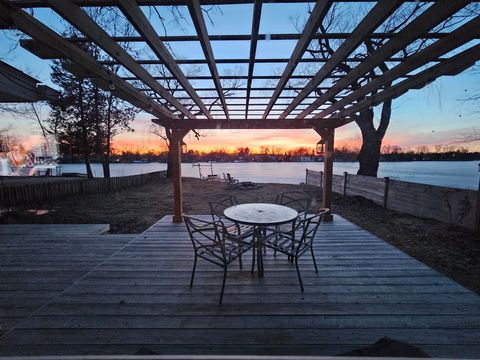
[433, 115]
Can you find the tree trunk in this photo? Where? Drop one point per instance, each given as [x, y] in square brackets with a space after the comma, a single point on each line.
[88, 166]
[369, 154]
[106, 167]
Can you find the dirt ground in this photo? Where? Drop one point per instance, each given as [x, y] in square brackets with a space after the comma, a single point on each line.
[451, 250]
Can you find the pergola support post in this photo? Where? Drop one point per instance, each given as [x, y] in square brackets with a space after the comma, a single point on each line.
[177, 136]
[327, 134]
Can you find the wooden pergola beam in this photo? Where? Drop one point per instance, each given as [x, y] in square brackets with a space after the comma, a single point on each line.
[381, 11]
[246, 61]
[83, 22]
[34, 28]
[431, 17]
[137, 18]
[198, 20]
[257, 12]
[455, 65]
[231, 97]
[44, 51]
[277, 107]
[241, 77]
[244, 89]
[457, 38]
[260, 37]
[314, 21]
[16, 86]
[41, 3]
[240, 124]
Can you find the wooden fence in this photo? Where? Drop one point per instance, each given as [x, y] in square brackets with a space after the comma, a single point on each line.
[13, 195]
[449, 205]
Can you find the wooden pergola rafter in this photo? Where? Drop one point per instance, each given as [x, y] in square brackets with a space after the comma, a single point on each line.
[320, 105]
[80, 19]
[373, 19]
[143, 26]
[257, 13]
[457, 38]
[453, 66]
[200, 26]
[431, 17]
[314, 21]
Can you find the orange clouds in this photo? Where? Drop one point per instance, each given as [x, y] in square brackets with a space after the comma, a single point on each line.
[143, 139]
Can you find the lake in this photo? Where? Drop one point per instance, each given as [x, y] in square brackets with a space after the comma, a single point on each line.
[459, 174]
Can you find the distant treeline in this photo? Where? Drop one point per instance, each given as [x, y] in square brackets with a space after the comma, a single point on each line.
[299, 154]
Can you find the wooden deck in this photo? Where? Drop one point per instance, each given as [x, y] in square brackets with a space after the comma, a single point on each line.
[113, 294]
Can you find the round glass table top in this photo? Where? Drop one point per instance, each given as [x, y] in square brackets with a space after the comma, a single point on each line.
[260, 214]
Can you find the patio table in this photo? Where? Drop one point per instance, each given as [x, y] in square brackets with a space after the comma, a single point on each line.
[260, 216]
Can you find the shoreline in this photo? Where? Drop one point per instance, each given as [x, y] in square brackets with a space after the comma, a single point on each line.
[258, 161]
[454, 174]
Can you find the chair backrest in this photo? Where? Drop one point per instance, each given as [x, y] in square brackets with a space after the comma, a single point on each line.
[307, 228]
[206, 235]
[298, 200]
[218, 203]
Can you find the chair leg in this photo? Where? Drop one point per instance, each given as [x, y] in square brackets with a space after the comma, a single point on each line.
[314, 261]
[223, 284]
[240, 262]
[193, 270]
[298, 273]
[253, 260]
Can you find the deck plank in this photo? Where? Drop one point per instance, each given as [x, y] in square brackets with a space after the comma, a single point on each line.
[38, 262]
[137, 296]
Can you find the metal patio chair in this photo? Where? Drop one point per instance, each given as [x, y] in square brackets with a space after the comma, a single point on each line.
[230, 182]
[212, 242]
[218, 203]
[298, 240]
[298, 200]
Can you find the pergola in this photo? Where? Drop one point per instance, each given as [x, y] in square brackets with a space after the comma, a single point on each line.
[324, 102]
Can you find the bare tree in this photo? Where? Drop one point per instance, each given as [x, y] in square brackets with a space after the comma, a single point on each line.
[86, 116]
[340, 19]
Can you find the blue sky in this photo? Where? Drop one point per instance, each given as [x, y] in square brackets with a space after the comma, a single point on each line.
[433, 115]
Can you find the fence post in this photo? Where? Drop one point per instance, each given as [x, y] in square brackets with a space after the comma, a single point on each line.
[345, 174]
[306, 176]
[321, 179]
[385, 193]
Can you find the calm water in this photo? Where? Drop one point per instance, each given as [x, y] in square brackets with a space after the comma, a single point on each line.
[459, 174]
